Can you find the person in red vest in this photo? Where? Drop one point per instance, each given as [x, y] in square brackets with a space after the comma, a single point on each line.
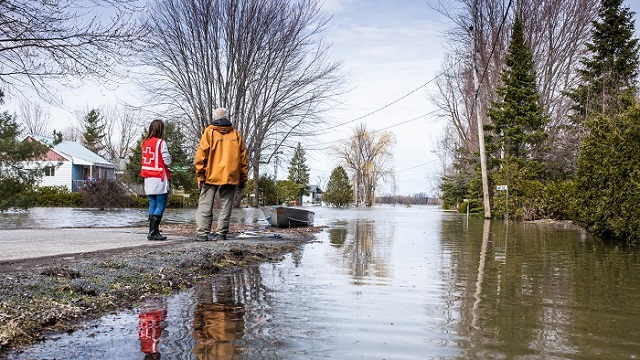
[155, 171]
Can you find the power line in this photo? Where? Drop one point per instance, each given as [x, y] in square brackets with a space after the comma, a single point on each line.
[400, 98]
[377, 131]
[414, 167]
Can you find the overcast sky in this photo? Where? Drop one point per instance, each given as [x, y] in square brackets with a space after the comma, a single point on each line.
[390, 50]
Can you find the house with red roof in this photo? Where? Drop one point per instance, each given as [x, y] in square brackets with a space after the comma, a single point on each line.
[70, 164]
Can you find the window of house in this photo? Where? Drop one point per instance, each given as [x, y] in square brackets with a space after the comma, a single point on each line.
[49, 171]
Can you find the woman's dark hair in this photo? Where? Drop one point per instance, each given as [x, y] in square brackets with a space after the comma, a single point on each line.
[156, 129]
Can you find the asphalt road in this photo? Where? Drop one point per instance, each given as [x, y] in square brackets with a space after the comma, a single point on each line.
[21, 244]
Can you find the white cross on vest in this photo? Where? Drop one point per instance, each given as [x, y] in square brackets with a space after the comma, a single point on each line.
[148, 156]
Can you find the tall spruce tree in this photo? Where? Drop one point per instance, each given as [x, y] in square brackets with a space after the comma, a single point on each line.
[517, 121]
[299, 172]
[518, 130]
[93, 131]
[339, 190]
[609, 74]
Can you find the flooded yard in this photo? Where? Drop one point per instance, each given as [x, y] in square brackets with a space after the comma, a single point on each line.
[391, 283]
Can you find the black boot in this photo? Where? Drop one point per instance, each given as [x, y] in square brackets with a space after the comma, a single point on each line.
[154, 233]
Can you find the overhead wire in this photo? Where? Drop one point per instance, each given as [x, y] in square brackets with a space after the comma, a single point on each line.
[484, 73]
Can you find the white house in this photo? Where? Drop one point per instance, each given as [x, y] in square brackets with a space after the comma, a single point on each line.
[70, 164]
[315, 196]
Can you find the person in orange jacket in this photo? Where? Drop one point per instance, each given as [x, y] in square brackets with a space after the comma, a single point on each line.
[221, 167]
[155, 171]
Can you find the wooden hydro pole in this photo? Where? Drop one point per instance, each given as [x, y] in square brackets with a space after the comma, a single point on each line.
[476, 109]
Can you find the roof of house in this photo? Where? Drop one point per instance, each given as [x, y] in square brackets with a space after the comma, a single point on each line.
[75, 152]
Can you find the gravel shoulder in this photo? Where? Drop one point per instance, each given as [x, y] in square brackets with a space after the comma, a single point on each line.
[63, 277]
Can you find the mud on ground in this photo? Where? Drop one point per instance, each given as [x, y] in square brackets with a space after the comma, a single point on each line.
[40, 297]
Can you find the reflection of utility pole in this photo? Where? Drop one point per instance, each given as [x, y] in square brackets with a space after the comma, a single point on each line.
[483, 259]
[483, 156]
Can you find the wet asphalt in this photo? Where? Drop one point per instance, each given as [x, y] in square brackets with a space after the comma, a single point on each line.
[22, 244]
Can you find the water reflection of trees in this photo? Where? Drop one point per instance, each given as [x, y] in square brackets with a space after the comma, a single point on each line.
[363, 246]
[530, 290]
[337, 236]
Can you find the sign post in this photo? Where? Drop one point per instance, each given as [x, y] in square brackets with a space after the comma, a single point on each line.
[505, 188]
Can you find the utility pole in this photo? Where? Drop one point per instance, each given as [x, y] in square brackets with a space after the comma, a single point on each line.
[476, 109]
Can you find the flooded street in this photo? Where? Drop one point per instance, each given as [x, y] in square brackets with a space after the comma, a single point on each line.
[389, 283]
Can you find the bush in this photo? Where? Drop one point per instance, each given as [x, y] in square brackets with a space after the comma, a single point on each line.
[558, 199]
[58, 196]
[104, 193]
[608, 179]
[138, 202]
[174, 201]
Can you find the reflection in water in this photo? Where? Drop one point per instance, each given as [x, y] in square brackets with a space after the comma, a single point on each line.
[337, 236]
[483, 258]
[218, 318]
[364, 249]
[453, 289]
[151, 323]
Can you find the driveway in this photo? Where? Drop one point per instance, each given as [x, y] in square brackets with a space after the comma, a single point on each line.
[21, 244]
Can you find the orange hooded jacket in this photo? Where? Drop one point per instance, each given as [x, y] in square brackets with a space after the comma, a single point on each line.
[221, 157]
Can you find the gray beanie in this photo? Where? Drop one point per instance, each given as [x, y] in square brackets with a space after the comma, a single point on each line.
[220, 117]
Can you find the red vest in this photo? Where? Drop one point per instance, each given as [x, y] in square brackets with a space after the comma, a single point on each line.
[152, 162]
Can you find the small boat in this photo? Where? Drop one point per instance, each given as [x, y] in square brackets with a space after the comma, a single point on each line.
[287, 216]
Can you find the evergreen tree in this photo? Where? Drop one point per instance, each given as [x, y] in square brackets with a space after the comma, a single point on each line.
[517, 126]
[608, 179]
[609, 75]
[339, 190]
[18, 175]
[134, 161]
[93, 131]
[299, 173]
[517, 121]
[607, 176]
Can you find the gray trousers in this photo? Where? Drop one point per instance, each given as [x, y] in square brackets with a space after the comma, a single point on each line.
[204, 214]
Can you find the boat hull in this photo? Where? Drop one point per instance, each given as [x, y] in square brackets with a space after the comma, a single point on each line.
[287, 216]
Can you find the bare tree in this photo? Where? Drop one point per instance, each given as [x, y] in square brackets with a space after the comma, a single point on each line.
[367, 156]
[123, 126]
[62, 40]
[556, 31]
[34, 119]
[261, 59]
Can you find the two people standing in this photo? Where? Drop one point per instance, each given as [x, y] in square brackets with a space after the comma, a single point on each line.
[221, 168]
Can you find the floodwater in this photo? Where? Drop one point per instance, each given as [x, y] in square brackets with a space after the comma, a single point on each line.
[395, 283]
[47, 217]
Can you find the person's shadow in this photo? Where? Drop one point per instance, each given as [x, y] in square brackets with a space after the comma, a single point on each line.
[218, 320]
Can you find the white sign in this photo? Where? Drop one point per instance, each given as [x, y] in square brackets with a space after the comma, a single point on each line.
[501, 187]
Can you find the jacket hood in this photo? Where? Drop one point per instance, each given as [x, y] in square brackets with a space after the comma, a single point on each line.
[223, 121]
[222, 129]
